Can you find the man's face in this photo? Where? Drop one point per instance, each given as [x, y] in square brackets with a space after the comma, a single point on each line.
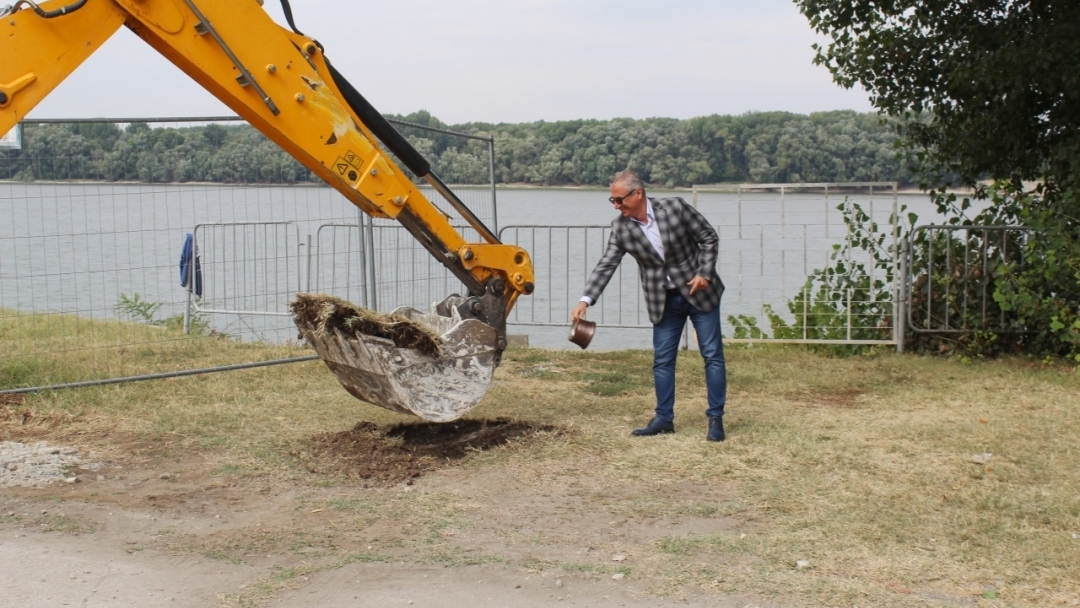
[629, 201]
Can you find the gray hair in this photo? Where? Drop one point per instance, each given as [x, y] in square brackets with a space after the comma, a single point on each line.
[630, 179]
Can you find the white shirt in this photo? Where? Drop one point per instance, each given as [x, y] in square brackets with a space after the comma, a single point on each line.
[652, 232]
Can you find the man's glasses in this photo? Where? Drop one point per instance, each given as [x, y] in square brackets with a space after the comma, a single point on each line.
[618, 200]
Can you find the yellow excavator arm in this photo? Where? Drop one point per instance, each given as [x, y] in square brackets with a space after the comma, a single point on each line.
[282, 84]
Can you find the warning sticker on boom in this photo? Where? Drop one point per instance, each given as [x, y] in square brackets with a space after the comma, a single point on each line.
[348, 166]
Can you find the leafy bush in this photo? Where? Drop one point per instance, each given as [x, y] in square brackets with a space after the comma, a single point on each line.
[1034, 283]
[1004, 281]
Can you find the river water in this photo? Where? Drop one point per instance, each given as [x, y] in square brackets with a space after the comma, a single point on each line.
[77, 248]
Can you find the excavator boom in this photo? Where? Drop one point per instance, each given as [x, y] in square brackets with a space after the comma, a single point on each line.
[281, 82]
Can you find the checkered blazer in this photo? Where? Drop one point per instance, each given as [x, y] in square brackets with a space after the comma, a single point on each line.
[690, 248]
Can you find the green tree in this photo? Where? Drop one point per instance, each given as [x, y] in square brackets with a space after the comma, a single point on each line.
[982, 89]
[995, 76]
[214, 135]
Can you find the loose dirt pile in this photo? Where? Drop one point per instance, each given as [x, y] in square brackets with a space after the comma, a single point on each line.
[326, 313]
[386, 456]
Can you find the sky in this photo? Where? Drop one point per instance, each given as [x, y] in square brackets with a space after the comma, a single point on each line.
[519, 61]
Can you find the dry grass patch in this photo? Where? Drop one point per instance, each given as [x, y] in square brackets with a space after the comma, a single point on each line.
[844, 481]
[46, 349]
[875, 490]
[842, 398]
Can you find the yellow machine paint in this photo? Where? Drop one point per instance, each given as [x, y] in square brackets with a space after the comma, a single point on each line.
[276, 79]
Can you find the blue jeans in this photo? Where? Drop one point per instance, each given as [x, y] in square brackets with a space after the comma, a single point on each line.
[666, 337]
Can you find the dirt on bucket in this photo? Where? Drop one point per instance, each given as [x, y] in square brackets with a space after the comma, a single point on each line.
[400, 453]
[324, 314]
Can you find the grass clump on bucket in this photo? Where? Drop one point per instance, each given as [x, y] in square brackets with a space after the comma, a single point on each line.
[326, 314]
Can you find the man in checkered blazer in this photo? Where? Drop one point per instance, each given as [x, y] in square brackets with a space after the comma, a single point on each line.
[676, 249]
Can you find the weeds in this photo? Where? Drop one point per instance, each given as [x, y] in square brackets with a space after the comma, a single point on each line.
[135, 308]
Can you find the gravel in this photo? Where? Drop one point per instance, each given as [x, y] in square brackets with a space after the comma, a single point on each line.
[36, 464]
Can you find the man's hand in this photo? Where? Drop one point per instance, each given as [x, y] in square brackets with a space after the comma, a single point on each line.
[579, 311]
[697, 284]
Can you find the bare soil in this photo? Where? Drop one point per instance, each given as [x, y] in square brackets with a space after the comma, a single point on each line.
[388, 455]
[152, 531]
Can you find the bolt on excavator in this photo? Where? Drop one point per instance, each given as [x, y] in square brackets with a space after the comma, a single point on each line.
[436, 365]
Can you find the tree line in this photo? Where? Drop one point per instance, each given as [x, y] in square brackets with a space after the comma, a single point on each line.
[777, 147]
[759, 147]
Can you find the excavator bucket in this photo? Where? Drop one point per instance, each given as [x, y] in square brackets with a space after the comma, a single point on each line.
[436, 366]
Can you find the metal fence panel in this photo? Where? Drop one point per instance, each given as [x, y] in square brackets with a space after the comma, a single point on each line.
[951, 273]
[776, 240]
[248, 268]
[563, 257]
[90, 265]
[791, 263]
[377, 263]
[339, 263]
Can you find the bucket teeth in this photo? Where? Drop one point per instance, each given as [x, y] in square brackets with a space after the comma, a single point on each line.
[437, 387]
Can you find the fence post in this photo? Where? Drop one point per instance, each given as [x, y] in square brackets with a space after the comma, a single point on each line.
[187, 307]
[362, 252]
[805, 313]
[849, 292]
[491, 173]
[900, 309]
[307, 273]
[370, 259]
[188, 284]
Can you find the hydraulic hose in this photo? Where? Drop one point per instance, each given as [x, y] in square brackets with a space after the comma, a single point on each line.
[387, 134]
[44, 14]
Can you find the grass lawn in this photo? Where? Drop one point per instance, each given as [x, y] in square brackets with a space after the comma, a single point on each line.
[874, 480]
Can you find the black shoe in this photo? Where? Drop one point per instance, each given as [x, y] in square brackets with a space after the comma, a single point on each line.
[655, 427]
[716, 429]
